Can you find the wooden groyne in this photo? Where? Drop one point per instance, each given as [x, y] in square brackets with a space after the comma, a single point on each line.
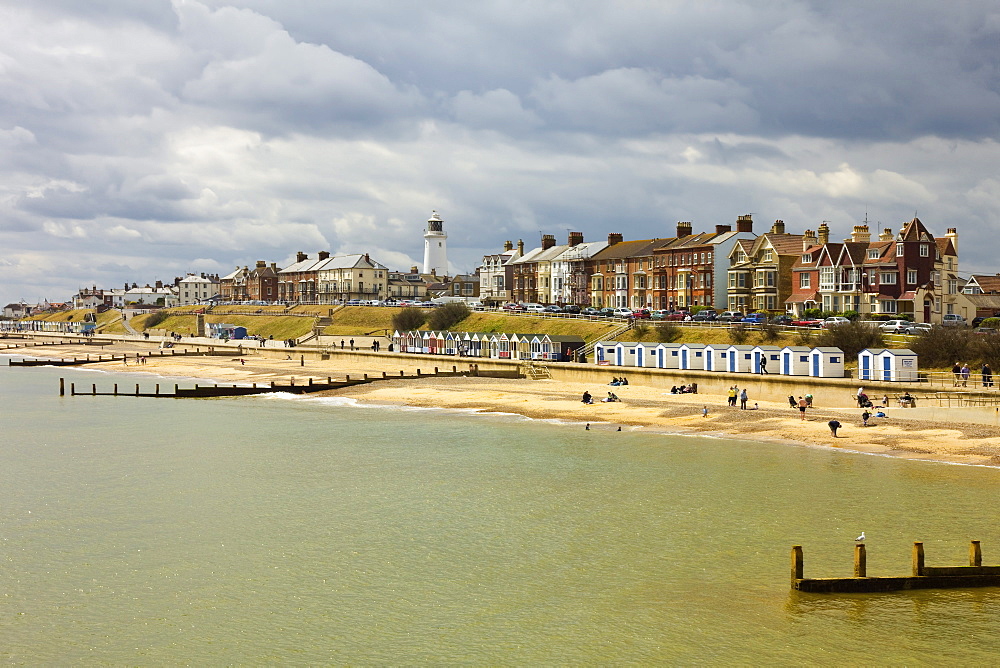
[309, 385]
[94, 359]
[923, 577]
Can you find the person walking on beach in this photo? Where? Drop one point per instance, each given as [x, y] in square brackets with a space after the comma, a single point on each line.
[743, 399]
[763, 364]
[957, 371]
[834, 426]
[704, 411]
[987, 376]
[802, 408]
[352, 344]
[966, 372]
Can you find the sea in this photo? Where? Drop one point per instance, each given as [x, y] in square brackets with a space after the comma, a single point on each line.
[294, 530]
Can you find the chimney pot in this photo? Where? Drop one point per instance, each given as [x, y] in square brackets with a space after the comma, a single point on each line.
[778, 227]
[520, 247]
[824, 234]
[508, 245]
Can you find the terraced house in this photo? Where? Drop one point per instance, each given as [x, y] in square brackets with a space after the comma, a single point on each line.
[760, 271]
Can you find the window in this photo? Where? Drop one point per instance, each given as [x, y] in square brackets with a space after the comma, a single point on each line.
[888, 278]
[887, 306]
[952, 286]
[826, 278]
[872, 253]
[807, 258]
[804, 280]
[911, 276]
[925, 250]
[899, 250]
[768, 256]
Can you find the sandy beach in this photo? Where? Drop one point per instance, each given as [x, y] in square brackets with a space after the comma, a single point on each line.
[904, 433]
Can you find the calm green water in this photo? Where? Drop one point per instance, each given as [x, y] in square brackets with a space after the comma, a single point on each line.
[270, 530]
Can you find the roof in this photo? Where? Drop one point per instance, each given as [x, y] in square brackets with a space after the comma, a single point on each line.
[626, 249]
[807, 296]
[914, 231]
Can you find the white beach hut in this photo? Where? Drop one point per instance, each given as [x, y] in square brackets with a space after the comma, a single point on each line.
[772, 355]
[739, 359]
[716, 356]
[795, 361]
[826, 363]
[868, 363]
[692, 356]
[645, 354]
[625, 353]
[668, 356]
[888, 364]
[604, 352]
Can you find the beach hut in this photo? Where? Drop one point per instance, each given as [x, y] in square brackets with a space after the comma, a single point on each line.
[625, 353]
[891, 365]
[604, 352]
[398, 341]
[494, 346]
[451, 341]
[645, 354]
[826, 363]
[716, 357]
[563, 347]
[692, 356]
[739, 359]
[772, 355]
[503, 346]
[668, 356]
[795, 360]
[539, 347]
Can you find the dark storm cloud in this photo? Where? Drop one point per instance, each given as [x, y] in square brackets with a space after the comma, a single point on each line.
[186, 134]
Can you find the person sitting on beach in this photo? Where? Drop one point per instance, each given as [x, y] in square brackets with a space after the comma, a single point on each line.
[587, 399]
[673, 390]
[615, 382]
[624, 380]
[612, 397]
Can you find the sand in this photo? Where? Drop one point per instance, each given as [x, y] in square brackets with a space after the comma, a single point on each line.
[905, 433]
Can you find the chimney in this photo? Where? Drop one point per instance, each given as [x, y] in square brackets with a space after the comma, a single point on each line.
[683, 229]
[861, 234]
[722, 229]
[808, 239]
[744, 223]
[368, 259]
[614, 238]
[575, 238]
[886, 234]
[274, 267]
[413, 270]
[261, 264]
[778, 227]
[508, 246]
[159, 285]
[520, 247]
[824, 234]
[300, 257]
[548, 241]
[324, 255]
[953, 235]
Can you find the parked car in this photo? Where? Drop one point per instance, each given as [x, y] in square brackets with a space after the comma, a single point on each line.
[807, 322]
[658, 314]
[590, 310]
[607, 312]
[553, 309]
[783, 319]
[622, 312]
[918, 328]
[641, 314]
[678, 315]
[755, 318]
[706, 315]
[952, 320]
[571, 308]
[731, 316]
[534, 308]
[834, 321]
[895, 326]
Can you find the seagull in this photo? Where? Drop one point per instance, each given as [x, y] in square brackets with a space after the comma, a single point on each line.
[860, 538]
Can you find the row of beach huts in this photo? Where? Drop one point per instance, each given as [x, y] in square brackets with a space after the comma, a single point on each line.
[891, 365]
[882, 364]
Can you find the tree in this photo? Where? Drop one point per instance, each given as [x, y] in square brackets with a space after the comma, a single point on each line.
[408, 319]
[943, 346]
[448, 315]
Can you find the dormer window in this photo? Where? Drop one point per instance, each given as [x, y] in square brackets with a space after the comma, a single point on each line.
[872, 253]
[807, 258]
[899, 249]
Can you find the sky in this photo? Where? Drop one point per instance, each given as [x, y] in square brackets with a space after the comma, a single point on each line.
[144, 139]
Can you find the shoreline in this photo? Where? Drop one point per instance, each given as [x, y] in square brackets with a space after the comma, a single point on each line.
[904, 434]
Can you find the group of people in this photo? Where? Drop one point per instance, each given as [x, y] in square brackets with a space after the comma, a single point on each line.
[615, 382]
[735, 393]
[685, 389]
[961, 373]
[588, 398]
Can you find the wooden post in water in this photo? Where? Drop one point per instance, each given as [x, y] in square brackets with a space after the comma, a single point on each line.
[860, 561]
[347, 378]
[175, 389]
[116, 389]
[62, 387]
[385, 375]
[418, 373]
[272, 384]
[400, 373]
[137, 389]
[93, 390]
[329, 380]
[157, 389]
[302, 360]
[366, 376]
[918, 559]
[72, 389]
[796, 563]
[310, 381]
[975, 554]
[436, 371]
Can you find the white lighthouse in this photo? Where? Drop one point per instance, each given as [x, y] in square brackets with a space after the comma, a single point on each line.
[435, 247]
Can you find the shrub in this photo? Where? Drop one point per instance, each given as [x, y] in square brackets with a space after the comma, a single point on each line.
[154, 319]
[769, 332]
[851, 315]
[448, 315]
[943, 346]
[852, 338]
[991, 322]
[408, 318]
[640, 329]
[667, 331]
[738, 334]
[804, 336]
